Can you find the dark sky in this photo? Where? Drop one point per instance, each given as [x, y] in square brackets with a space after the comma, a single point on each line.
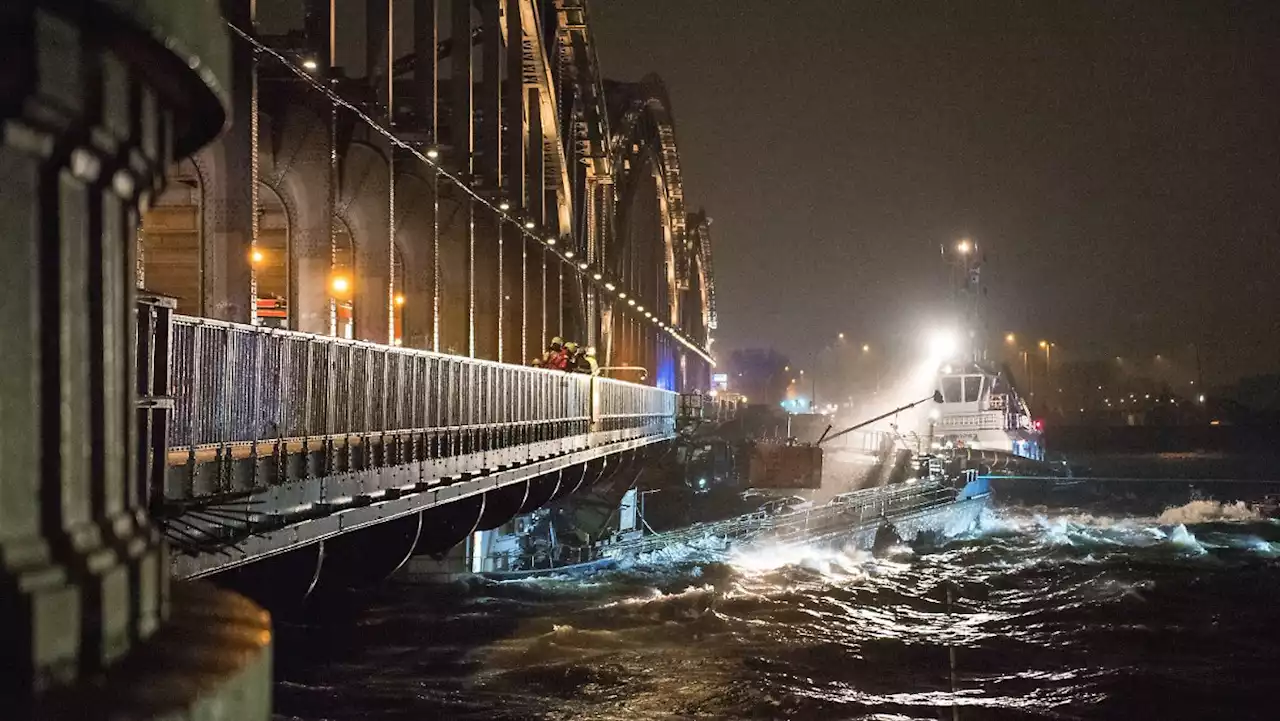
[1119, 162]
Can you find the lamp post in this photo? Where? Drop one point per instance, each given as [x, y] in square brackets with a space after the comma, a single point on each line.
[1047, 347]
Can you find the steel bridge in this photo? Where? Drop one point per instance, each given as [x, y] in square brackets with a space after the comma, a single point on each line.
[273, 278]
[341, 294]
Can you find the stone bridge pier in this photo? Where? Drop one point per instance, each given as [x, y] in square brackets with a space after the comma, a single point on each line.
[97, 100]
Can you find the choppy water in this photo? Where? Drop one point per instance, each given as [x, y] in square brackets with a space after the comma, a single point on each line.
[1056, 613]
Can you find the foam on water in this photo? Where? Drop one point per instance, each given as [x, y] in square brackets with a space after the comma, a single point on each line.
[1209, 511]
[1050, 613]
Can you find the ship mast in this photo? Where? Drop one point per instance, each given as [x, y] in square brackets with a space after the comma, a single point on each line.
[965, 261]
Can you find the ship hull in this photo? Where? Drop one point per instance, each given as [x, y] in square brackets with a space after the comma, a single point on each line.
[866, 520]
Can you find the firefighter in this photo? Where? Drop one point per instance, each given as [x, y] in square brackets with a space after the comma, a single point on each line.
[565, 361]
[585, 361]
[554, 351]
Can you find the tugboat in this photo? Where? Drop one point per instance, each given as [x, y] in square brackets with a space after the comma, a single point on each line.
[980, 407]
[982, 410]
[929, 500]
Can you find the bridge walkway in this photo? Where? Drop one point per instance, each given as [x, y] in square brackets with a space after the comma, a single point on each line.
[262, 440]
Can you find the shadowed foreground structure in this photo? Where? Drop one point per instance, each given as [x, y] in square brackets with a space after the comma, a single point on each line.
[99, 99]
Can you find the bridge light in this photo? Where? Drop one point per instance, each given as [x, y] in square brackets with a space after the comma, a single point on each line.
[310, 64]
[551, 240]
[432, 153]
[964, 246]
[596, 276]
[504, 206]
[640, 308]
[529, 225]
[609, 286]
[622, 295]
[399, 299]
[568, 254]
[583, 265]
[631, 301]
[648, 315]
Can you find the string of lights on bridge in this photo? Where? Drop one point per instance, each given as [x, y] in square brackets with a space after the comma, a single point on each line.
[528, 228]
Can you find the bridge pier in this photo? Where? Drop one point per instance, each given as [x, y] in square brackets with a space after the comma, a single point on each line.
[97, 105]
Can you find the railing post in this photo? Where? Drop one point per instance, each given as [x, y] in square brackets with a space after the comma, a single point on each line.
[155, 399]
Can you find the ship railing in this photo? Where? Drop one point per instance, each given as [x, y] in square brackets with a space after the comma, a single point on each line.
[872, 508]
[980, 421]
[855, 509]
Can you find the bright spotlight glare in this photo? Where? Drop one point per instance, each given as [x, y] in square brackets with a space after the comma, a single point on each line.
[943, 344]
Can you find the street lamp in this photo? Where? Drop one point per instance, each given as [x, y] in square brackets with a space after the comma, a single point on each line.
[964, 246]
[1048, 349]
[1010, 338]
[866, 348]
[840, 336]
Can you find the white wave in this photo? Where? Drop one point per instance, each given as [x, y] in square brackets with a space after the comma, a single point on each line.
[1209, 511]
[655, 595]
[1182, 538]
[829, 562]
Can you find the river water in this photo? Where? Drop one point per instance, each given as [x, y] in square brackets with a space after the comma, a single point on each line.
[1055, 611]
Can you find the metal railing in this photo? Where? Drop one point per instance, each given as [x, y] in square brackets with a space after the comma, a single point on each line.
[847, 512]
[240, 384]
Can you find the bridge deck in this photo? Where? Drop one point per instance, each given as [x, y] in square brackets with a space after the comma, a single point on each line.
[265, 439]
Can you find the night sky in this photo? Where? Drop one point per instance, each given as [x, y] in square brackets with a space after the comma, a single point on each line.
[1117, 161]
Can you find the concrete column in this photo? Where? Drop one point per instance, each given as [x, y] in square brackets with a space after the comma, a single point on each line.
[308, 191]
[414, 228]
[488, 131]
[227, 203]
[369, 216]
[98, 108]
[514, 345]
[226, 217]
[426, 109]
[538, 334]
[488, 166]
[462, 138]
